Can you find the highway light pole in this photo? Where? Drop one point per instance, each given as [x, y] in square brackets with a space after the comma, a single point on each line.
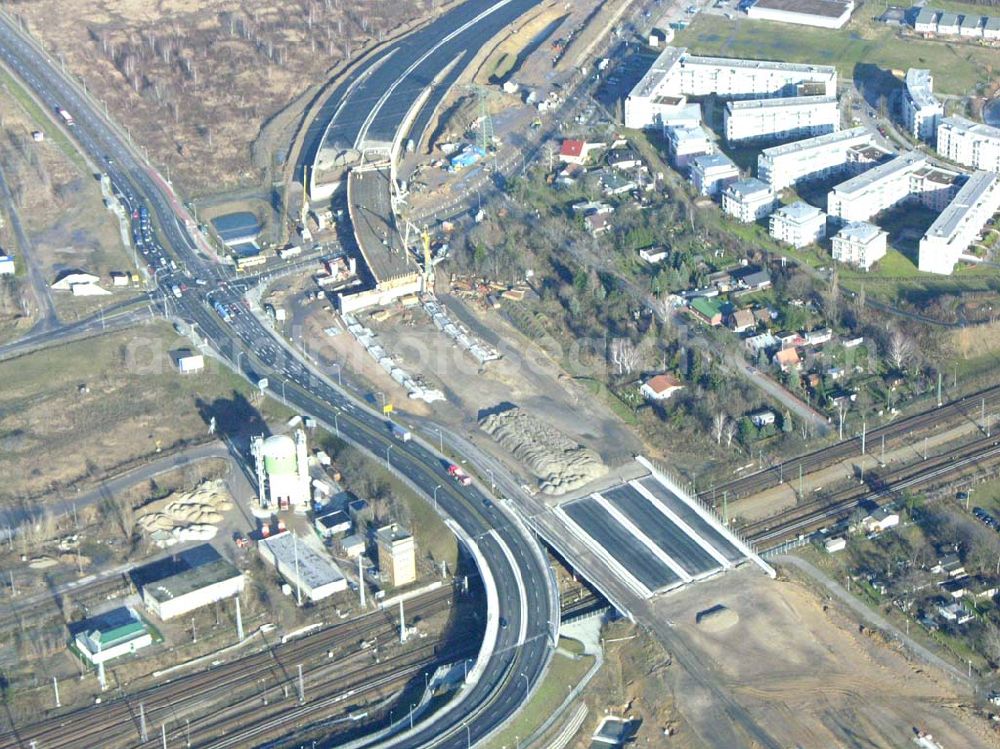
[340, 382]
[436, 497]
[440, 440]
[387, 466]
[527, 688]
[336, 426]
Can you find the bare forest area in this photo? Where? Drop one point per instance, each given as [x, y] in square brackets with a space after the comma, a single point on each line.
[214, 91]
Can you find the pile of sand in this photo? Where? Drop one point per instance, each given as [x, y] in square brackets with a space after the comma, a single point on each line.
[560, 464]
[186, 516]
[716, 619]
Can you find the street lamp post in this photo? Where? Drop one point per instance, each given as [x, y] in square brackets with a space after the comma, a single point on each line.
[436, 497]
[340, 382]
[239, 356]
[527, 688]
[387, 449]
[440, 440]
[336, 426]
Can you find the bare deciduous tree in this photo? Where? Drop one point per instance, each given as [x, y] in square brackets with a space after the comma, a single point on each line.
[731, 428]
[719, 426]
[901, 349]
[624, 355]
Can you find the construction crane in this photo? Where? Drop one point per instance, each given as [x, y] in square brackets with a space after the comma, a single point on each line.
[425, 238]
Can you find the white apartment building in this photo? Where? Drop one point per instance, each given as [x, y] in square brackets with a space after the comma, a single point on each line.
[921, 111]
[859, 243]
[827, 14]
[687, 142]
[960, 223]
[748, 200]
[785, 117]
[676, 74]
[711, 173]
[811, 158]
[970, 143]
[905, 177]
[798, 224]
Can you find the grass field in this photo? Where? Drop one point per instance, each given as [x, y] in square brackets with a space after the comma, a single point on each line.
[42, 121]
[75, 411]
[957, 67]
[563, 674]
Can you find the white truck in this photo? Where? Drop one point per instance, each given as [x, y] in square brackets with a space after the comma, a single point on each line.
[400, 433]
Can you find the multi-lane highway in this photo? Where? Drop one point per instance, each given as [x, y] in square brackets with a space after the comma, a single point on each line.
[371, 103]
[528, 606]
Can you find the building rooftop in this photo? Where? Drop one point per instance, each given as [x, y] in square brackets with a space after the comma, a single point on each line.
[390, 534]
[971, 22]
[825, 8]
[705, 306]
[315, 569]
[681, 133]
[948, 19]
[927, 15]
[749, 187]
[781, 101]
[713, 161]
[992, 23]
[902, 164]
[671, 56]
[920, 87]
[818, 142]
[956, 122]
[191, 580]
[798, 211]
[859, 231]
[571, 148]
[975, 187]
[333, 519]
[663, 382]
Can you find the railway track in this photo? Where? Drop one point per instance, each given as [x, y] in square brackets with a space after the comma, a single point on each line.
[946, 416]
[193, 693]
[813, 514]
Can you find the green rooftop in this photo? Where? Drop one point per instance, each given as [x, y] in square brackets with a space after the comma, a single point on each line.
[705, 307]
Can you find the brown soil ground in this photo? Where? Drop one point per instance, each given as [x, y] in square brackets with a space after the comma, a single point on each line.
[809, 675]
[196, 82]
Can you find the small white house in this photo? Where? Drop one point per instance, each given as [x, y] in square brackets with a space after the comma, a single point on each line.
[112, 635]
[6, 265]
[661, 387]
[190, 363]
[353, 546]
[881, 520]
[333, 524]
[762, 418]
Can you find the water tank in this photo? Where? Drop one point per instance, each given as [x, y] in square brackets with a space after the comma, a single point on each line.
[279, 455]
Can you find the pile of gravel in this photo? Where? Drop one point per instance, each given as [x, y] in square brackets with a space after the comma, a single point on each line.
[717, 619]
[560, 464]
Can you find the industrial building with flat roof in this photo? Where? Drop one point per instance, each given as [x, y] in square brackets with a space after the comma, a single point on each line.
[960, 222]
[192, 588]
[675, 73]
[776, 118]
[812, 158]
[859, 243]
[798, 224]
[397, 560]
[908, 176]
[827, 14]
[309, 571]
[747, 200]
[711, 173]
[971, 143]
[921, 111]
